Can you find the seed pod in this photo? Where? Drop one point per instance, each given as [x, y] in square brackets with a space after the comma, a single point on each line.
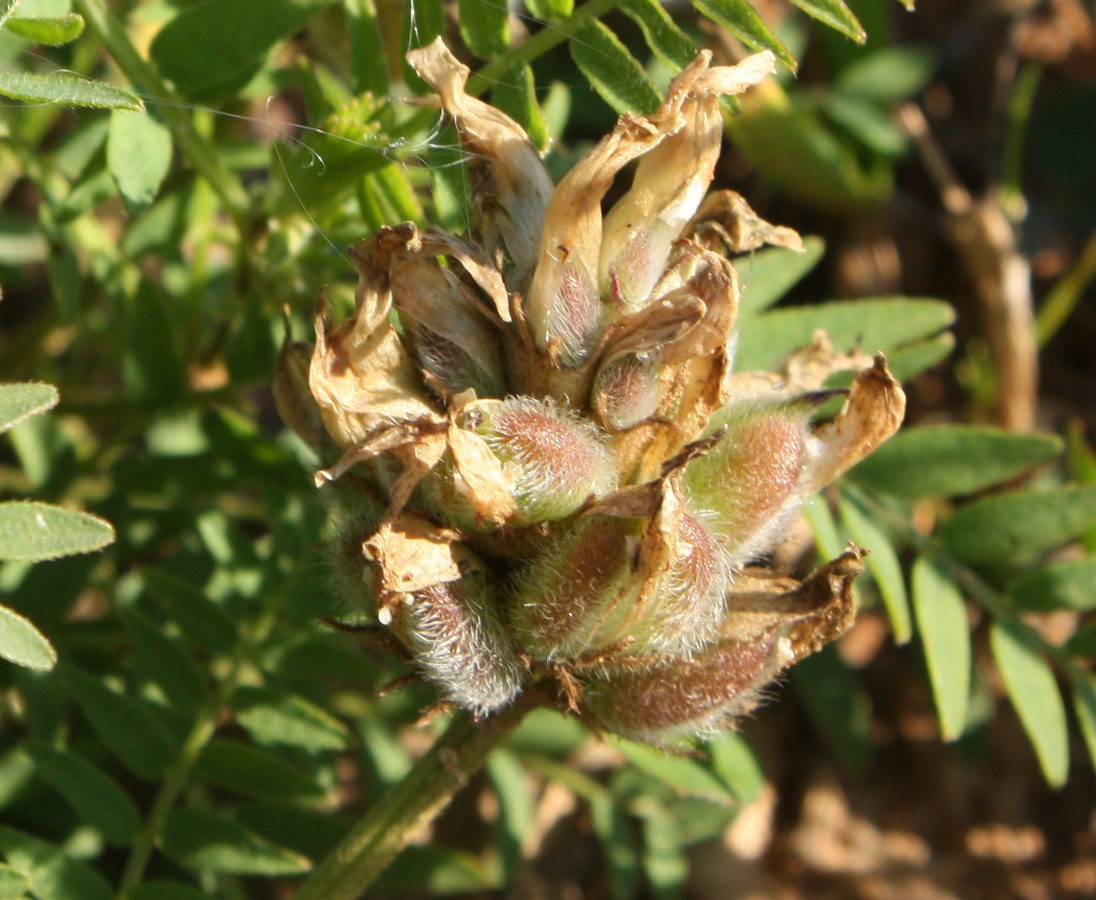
[684, 695]
[571, 599]
[752, 476]
[552, 461]
[455, 634]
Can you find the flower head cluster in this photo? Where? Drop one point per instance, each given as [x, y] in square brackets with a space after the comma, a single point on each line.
[556, 475]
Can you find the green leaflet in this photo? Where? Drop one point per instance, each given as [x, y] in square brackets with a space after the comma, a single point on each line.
[767, 275]
[1084, 705]
[485, 27]
[945, 637]
[835, 14]
[516, 808]
[686, 777]
[66, 89]
[138, 155]
[669, 43]
[549, 10]
[887, 75]
[21, 401]
[745, 24]
[167, 890]
[735, 763]
[213, 44]
[1034, 693]
[53, 32]
[208, 843]
[31, 531]
[1064, 585]
[253, 772]
[882, 562]
[1018, 524]
[515, 95]
[124, 725]
[883, 323]
[614, 73]
[837, 704]
[23, 644]
[166, 661]
[96, 798]
[53, 872]
[278, 717]
[952, 460]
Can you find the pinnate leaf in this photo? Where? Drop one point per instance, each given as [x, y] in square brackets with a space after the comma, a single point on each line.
[1034, 693]
[31, 531]
[20, 401]
[65, 89]
[952, 460]
[945, 636]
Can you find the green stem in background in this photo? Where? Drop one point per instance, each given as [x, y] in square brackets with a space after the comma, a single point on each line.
[201, 153]
[426, 790]
[1066, 293]
[1019, 113]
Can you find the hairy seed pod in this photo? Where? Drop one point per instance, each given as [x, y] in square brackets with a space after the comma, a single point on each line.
[455, 634]
[685, 695]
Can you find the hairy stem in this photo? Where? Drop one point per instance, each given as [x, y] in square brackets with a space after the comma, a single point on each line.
[388, 826]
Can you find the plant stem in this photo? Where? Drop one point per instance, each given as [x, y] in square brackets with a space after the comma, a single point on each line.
[202, 155]
[413, 803]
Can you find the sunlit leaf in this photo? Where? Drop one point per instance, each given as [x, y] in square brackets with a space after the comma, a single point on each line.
[485, 26]
[735, 763]
[1034, 693]
[547, 10]
[20, 401]
[945, 637]
[52, 871]
[65, 89]
[516, 808]
[952, 460]
[742, 20]
[52, 32]
[1064, 585]
[882, 562]
[887, 75]
[31, 531]
[138, 155]
[835, 14]
[669, 43]
[612, 70]
[1018, 524]
[23, 644]
[515, 94]
[215, 42]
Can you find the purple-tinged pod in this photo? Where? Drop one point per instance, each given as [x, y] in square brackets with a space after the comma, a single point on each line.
[455, 635]
[684, 696]
[576, 597]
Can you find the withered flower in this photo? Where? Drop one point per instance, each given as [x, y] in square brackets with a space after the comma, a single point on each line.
[559, 477]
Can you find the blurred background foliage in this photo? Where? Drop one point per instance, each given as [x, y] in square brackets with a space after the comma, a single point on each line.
[179, 180]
